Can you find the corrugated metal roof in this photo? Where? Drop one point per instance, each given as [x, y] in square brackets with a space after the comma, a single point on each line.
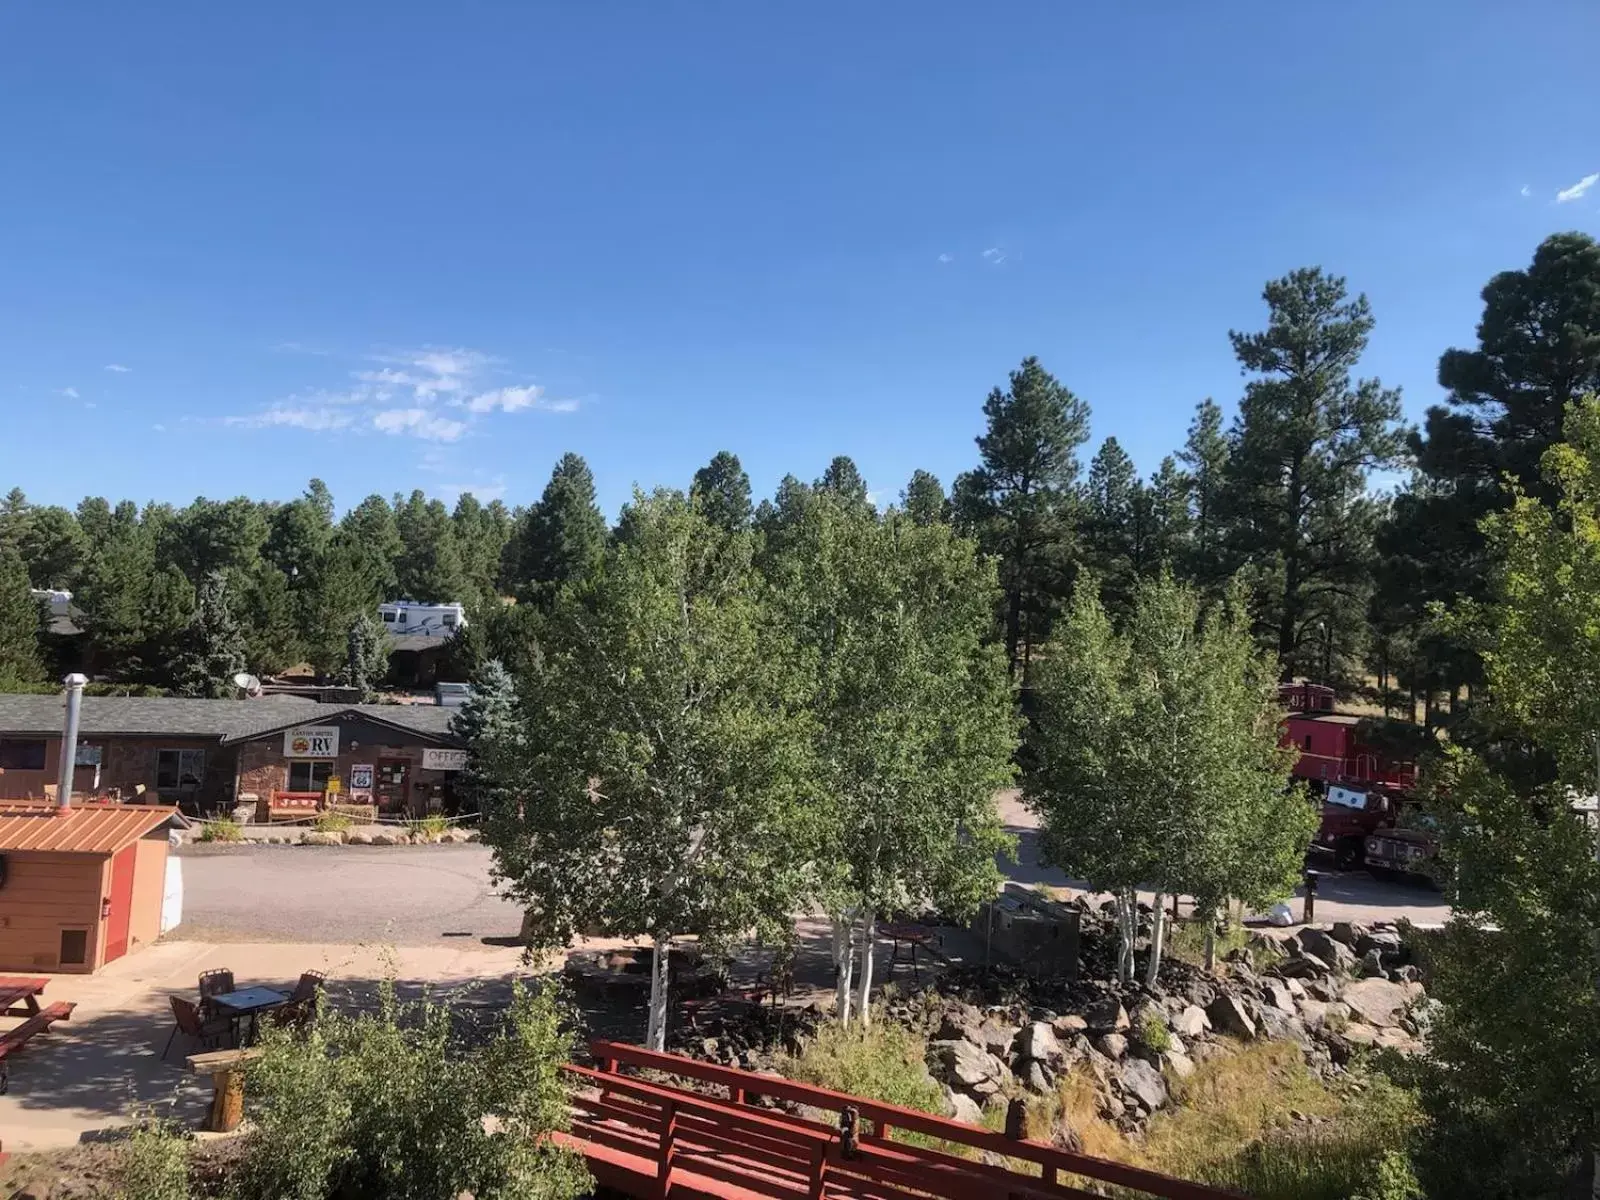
[225, 720]
[82, 829]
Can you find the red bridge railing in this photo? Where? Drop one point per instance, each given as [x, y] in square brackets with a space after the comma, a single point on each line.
[648, 1138]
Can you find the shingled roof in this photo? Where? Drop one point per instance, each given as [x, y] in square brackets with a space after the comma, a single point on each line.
[225, 720]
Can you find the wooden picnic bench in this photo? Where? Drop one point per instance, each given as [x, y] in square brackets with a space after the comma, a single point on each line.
[19, 997]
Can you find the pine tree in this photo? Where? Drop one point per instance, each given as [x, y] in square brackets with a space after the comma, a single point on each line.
[21, 659]
[924, 500]
[53, 548]
[482, 532]
[723, 490]
[490, 725]
[1113, 512]
[213, 650]
[372, 538]
[269, 619]
[1018, 502]
[843, 480]
[429, 568]
[1304, 442]
[563, 537]
[366, 655]
[1205, 459]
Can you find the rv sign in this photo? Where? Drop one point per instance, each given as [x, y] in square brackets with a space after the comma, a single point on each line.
[312, 741]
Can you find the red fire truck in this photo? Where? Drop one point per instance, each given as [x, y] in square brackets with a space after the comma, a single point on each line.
[1360, 784]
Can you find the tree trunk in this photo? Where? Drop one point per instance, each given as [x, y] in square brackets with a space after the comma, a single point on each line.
[869, 919]
[1211, 942]
[843, 962]
[1127, 916]
[655, 1037]
[1158, 929]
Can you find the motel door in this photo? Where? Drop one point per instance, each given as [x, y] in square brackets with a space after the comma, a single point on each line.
[391, 786]
[119, 905]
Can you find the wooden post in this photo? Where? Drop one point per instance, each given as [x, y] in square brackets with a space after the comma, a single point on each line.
[819, 1173]
[669, 1136]
[227, 1101]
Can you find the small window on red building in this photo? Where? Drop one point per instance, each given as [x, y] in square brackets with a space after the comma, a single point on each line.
[1308, 741]
[74, 947]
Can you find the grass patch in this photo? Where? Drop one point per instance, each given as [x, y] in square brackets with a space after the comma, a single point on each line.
[220, 829]
[333, 822]
[1231, 1128]
[1153, 1033]
[884, 1062]
[1187, 942]
[429, 827]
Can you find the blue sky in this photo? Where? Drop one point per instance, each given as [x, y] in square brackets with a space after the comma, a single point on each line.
[409, 245]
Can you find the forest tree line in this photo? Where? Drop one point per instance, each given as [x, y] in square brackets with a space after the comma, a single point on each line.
[1294, 496]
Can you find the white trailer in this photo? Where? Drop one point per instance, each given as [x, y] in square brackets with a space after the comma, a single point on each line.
[408, 616]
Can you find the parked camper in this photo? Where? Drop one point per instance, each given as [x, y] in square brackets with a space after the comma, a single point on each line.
[408, 616]
[452, 695]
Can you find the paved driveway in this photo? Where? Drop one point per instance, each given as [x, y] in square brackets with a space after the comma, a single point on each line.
[401, 895]
[1341, 896]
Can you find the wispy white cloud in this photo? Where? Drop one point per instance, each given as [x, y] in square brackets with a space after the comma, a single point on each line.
[944, 258]
[433, 393]
[1578, 190]
[71, 393]
[118, 368]
[159, 428]
[1525, 191]
[419, 423]
[319, 418]
[994, 255]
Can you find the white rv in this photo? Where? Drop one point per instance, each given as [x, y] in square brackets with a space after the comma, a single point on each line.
[433, 620]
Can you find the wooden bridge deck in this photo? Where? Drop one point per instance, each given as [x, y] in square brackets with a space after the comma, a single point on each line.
[650, 1138]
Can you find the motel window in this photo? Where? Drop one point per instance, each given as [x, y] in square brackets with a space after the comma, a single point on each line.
[19, 755]
[178, 770]
[309, 776]
[74, 947]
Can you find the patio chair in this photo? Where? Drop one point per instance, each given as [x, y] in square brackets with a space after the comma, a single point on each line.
[186, 1019]
[214, 983]
[306, 989]
[296, 1014]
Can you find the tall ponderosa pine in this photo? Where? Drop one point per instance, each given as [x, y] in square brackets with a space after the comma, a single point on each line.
[429, 568]
[1018, 503]
[722, 490]
[21, 661]
[1113, 511]
[923, 499]
[1155, 757]
[1305, 440]
[914, 719]
[481, 533]
[563, 537]
[1205, 460]
[661, 795]
[213, 648]
[371, 540]
[843, 480]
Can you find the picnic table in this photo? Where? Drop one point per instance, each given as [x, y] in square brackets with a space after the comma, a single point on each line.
[248, 1003]
[19, 997]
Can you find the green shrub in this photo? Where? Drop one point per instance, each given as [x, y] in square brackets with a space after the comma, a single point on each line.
[153, 1162]
[333, 822]
[883, 1062]
[390, 1103]
[429, 827]
[1153, 1033]
[221, 829]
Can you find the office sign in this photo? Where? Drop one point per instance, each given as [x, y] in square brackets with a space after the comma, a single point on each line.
[444, 760]
[312, 741]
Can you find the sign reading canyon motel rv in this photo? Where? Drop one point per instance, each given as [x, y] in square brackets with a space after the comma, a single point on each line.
[312, 741]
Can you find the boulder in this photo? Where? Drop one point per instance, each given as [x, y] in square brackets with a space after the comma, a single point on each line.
[1384, 941]
[1069, 1025]
[996, 1037]
[1229, 1015]
[1372, 964]
[1106, 1016]
[1314, 1013]
[1303, 966]
[1348, 933]
[967, 1067]
[1038, 1041]
[1410, 973]
[1192, 1022]
[1399, 1041]
[963, 1107]
[1036, 1077]
[1280, 1026]
[1320, 943]
[1143, 1083]
[360, 835]
[960, 1023]
[317, 837]
[1278, 996]
[1181, 1065]
[1357, 1034]
[385, 837]
[1380, 1002]
[1113, 1045]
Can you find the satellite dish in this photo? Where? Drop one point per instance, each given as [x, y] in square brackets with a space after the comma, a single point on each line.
[249, 684]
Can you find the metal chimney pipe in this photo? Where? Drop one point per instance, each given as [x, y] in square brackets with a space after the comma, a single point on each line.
[69, 741]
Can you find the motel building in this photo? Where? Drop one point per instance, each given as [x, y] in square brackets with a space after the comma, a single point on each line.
[273, 756]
